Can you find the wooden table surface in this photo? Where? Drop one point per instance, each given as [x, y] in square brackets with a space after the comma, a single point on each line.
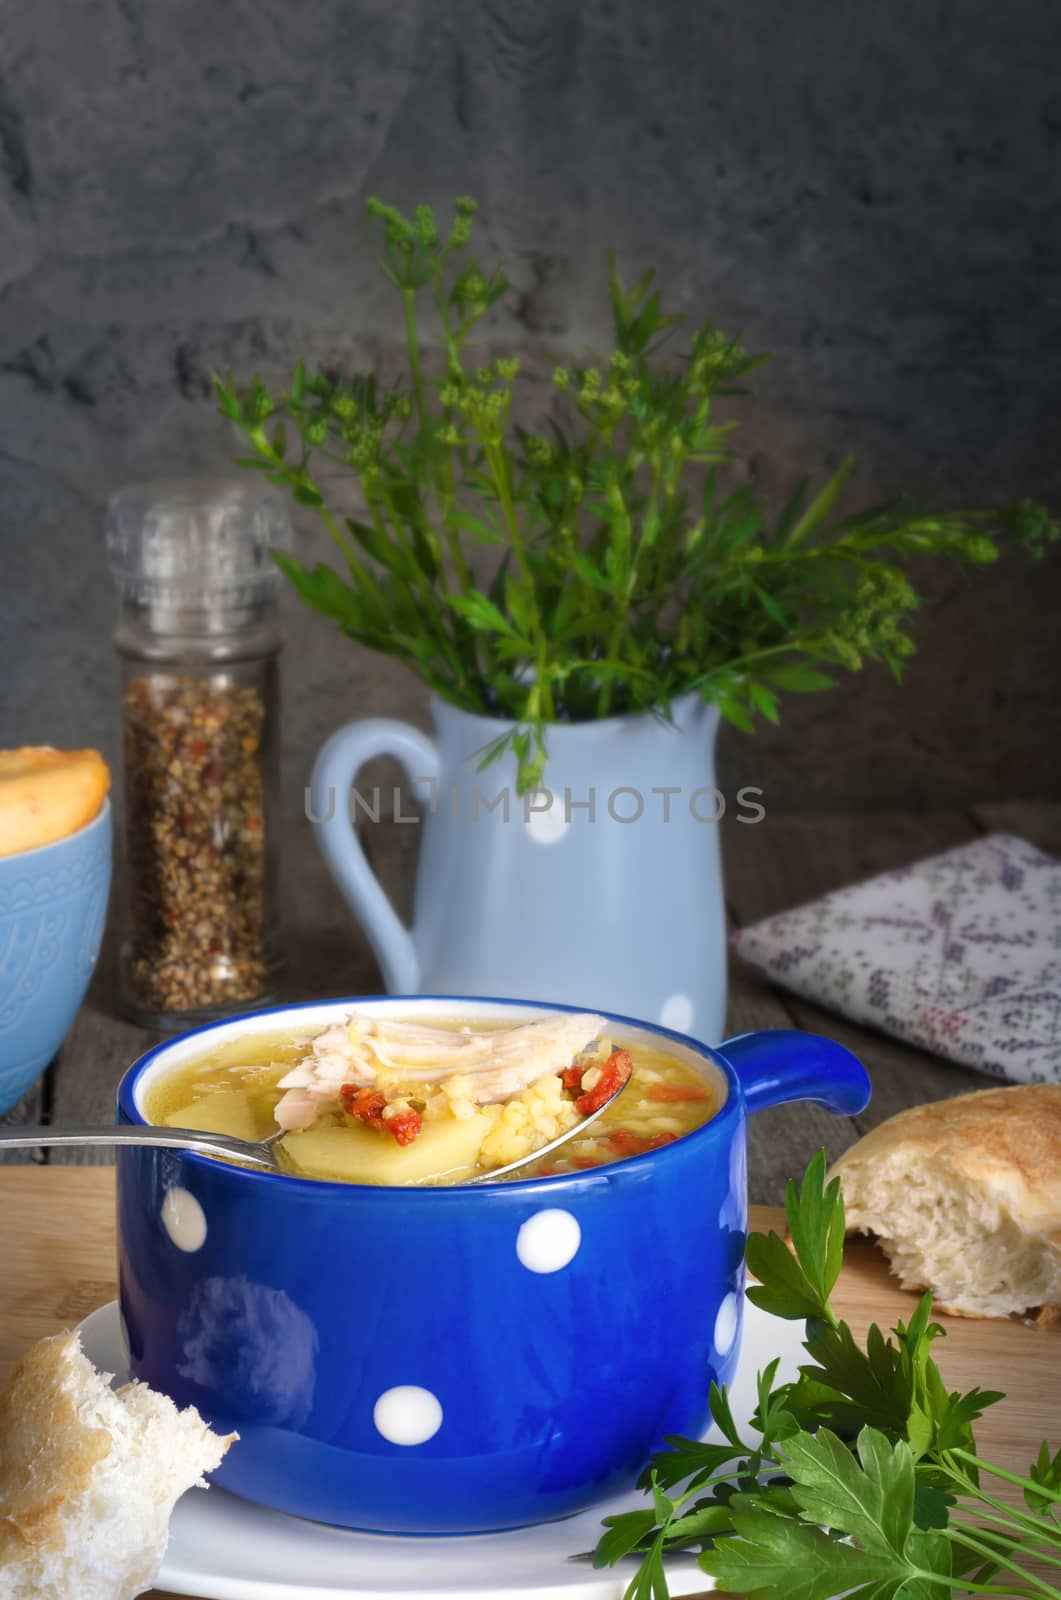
[775, 864]
[57, 1265]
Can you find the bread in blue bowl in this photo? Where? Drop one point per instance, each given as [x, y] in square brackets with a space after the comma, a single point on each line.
[55, 871]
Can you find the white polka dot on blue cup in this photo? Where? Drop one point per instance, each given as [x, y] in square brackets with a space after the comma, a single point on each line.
[184, 1220]
[407, 1414]
[726, 1325]
[548, 1241]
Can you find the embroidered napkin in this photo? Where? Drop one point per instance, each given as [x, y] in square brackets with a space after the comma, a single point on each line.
[960, 953]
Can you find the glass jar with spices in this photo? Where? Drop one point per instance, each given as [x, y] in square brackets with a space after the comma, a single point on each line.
[198, 636]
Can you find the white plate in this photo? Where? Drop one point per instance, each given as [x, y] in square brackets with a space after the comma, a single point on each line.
[222, 1548]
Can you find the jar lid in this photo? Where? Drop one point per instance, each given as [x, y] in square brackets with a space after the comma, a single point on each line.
[194, 553]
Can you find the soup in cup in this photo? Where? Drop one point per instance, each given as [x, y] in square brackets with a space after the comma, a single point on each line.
[403, 1351]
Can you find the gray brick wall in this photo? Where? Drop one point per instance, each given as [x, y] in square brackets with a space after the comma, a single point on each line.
[871, 191]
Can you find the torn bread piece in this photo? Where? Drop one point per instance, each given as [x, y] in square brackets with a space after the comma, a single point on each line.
[89, 1477]
[964, 1196]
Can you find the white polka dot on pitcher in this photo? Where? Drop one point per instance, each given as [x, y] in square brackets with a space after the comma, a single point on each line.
[548, 1241]
[677, 1013]
[184, 1220]
[545, 824]
[407, 1414]
[726, 1325]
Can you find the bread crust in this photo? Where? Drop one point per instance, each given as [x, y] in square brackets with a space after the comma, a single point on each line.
[1008, 1139]
[1005, 1141]
[47, 1453]
[47, 795]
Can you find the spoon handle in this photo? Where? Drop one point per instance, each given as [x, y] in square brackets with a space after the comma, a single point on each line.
[214, 1144]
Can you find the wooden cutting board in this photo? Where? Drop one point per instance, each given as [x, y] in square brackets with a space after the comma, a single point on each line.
[57, 1265]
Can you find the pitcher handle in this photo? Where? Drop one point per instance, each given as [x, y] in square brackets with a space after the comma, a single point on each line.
[334, 771]
[783, 1064]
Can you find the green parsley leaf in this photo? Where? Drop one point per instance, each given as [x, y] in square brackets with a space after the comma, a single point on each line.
[815, 1216]
[625, 1533]
[778, 1559]
[1045, 1473]
[868, 1501]
[692, 1459]
[798, 1285]
[871, 1499]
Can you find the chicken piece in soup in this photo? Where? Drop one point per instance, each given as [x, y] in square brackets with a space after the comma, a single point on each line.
[374, 1101]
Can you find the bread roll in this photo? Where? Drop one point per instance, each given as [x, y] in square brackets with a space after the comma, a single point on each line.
[48, 794]
[89, 1477]
[964, 1196]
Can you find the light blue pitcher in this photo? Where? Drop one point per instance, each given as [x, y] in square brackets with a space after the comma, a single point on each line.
[602, 889]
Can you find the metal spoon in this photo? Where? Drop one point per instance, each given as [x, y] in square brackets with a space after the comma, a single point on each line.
[208, 1144]
[258, 1154]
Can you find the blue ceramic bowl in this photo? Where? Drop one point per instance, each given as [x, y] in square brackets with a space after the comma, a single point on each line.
[53, 904]
[451, 1360]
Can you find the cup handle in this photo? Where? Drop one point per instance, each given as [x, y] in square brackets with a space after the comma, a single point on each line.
[334, 771]
[779, 1065]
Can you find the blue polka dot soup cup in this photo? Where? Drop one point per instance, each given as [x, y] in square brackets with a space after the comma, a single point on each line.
[53, 905]
[450, 1359]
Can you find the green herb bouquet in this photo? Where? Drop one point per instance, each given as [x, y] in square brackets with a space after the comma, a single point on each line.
[624, 570]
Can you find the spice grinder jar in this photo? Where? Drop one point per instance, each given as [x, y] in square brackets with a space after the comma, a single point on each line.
[198, 637]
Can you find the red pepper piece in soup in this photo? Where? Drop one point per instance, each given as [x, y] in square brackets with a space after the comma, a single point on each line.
[404, 1125]
[675, 1093]
[624, 1142]
[614, 1073]
[371, 1107]
[365, 1104]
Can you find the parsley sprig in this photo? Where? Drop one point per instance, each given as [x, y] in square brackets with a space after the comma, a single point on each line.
[607, 563]
[862, 1476]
